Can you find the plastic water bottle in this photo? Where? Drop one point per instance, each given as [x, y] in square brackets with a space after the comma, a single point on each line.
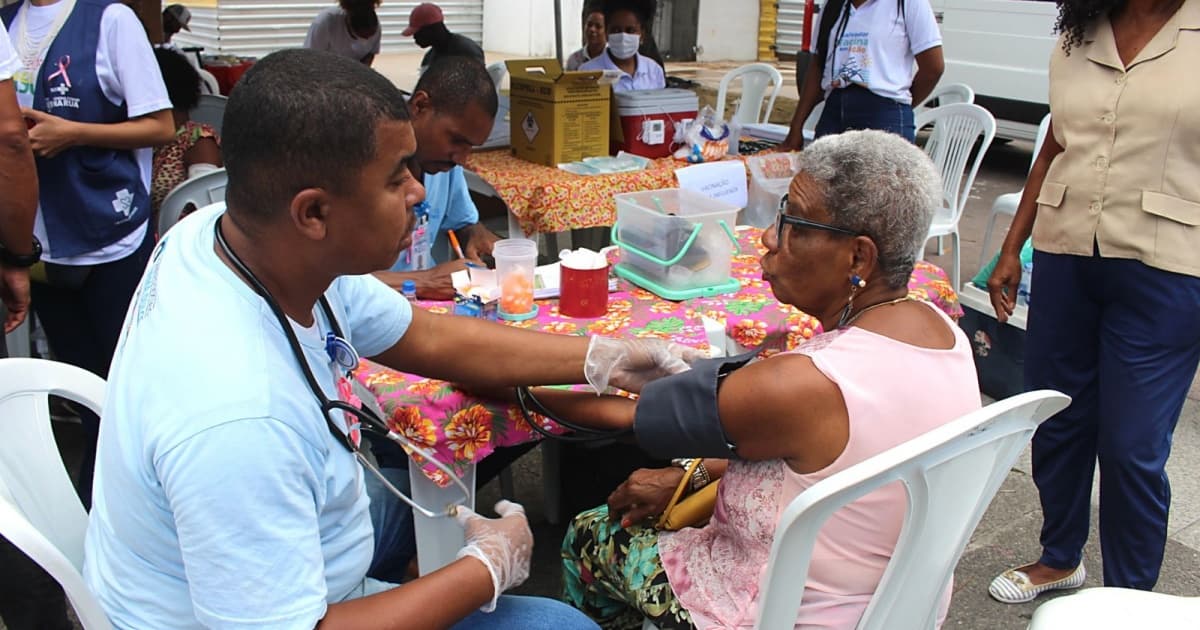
[409, 290]
[421, 250]
[1026, 281]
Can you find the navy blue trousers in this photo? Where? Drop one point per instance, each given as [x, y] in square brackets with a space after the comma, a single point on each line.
[1123, 340]
[856, 107]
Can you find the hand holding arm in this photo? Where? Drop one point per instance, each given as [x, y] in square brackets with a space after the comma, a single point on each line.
[52, 135]
[631, 363]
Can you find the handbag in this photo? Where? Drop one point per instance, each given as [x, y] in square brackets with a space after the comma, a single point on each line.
[692, 511]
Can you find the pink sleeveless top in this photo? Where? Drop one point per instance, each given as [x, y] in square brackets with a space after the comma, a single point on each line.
[893, 392]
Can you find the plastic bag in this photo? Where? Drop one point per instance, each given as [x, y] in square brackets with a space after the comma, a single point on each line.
[706, 139]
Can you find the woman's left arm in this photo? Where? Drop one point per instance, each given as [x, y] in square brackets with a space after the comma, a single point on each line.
[52, 135]
[930, 65]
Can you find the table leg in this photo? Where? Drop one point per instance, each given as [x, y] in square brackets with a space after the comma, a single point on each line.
[552, 480]
[438, 539]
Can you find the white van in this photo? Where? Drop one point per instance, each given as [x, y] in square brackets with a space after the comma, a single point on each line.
[1001, 48]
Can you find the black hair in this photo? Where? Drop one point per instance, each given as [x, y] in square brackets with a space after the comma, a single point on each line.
[454, 82]
[836, 12]
[182, 80]
[301, 119]
[1076, 16]
[643, 10]
[362, 15]
[592, 6]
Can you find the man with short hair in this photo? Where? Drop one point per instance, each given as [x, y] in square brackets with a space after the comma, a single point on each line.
[453, 107]
[229, 492]
[427, 26]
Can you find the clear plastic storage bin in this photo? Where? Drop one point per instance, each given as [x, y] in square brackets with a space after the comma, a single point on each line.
[770, 176]
[677, 243]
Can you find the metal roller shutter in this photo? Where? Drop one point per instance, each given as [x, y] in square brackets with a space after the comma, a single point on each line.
[789, 27]
[258, 27]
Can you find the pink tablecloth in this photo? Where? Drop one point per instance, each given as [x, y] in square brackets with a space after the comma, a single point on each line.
[462, 429]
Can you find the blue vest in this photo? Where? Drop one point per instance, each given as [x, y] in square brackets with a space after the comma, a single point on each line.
[90, 197]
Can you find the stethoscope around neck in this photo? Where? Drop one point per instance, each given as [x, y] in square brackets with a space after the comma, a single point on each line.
[344, 356]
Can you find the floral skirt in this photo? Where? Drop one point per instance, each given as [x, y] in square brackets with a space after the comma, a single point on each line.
[615, 575]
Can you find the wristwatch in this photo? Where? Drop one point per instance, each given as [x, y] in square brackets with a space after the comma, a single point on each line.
[9, 259]
[700, 476]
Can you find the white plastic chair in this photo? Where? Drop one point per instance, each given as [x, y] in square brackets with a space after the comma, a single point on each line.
[39, 510]
[951, 474]
[756, 79]
[1006, 204]
[957, 131]
[210, 110]
[497, 71]
[198, 191]
[947, 94]
[1117, 609]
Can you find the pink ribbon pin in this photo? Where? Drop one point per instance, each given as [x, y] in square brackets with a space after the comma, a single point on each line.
[64, 62]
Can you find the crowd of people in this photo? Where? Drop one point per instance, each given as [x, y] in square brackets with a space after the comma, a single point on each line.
[253, 492]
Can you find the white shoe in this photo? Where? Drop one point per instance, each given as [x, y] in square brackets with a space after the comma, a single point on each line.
[1014, 587]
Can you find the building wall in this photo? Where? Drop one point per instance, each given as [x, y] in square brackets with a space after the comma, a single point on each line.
[728, 30]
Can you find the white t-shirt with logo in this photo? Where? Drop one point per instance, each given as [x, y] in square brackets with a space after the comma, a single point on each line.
[878, 46]
[9, 63]
[128, 73]
[329, 32]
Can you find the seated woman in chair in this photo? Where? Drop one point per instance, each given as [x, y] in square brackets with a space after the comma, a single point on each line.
[196, 148]
[843, 251]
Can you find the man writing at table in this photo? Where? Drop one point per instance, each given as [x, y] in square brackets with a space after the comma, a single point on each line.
[453, 107]
[225, 496]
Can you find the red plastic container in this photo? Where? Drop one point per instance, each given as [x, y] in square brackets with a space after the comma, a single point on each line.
[649, 118]
[583, 293]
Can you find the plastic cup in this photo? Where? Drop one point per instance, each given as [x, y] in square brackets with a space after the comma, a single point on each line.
[516, 259]
[583, 293]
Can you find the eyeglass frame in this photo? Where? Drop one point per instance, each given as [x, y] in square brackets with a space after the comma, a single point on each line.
[784, 218]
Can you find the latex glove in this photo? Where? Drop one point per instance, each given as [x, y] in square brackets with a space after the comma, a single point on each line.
[646, 493]
[631, 363]
[504, 545]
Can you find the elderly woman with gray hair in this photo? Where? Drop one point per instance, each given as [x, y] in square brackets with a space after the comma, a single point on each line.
[842, 250]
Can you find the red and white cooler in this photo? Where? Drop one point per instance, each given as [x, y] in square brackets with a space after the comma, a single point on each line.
[650, 118]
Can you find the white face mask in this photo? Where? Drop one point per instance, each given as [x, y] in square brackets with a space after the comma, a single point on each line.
[623, 45]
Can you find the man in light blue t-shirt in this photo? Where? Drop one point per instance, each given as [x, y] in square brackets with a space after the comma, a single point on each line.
[225, 497]
[453, 107]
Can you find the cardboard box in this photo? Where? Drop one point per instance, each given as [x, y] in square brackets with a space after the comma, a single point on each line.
[556, 116]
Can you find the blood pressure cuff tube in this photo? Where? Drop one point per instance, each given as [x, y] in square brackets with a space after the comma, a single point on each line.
[677, 415]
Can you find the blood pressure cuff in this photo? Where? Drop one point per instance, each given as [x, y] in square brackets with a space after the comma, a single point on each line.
[677, 415]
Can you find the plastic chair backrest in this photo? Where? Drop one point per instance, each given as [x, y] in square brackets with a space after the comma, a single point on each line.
[950, 474]
[200, 191]
[210, 110]
[497, 71]
[40, 512]
[1042, 132]
[756, 78]
[957, 129]
[947, 94]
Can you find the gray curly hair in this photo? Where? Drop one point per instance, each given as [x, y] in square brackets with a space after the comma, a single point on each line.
[881, 185]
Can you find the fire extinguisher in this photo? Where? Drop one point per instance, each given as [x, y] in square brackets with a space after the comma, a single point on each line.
[804, 55]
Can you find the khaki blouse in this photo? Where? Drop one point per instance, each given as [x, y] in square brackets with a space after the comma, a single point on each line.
[1128, 180]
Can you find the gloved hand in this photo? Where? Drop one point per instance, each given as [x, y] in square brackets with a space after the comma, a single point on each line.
[631, 363]
[504, 545]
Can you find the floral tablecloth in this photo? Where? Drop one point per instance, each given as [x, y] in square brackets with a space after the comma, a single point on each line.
[546, 199]
[462, 429]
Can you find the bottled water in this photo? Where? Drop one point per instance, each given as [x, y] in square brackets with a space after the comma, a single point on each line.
[421, 251]
[1026, 280]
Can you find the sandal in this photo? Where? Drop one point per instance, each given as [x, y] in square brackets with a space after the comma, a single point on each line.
[1014, 587]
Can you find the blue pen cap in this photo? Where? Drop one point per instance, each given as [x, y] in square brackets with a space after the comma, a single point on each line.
[408, 286]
